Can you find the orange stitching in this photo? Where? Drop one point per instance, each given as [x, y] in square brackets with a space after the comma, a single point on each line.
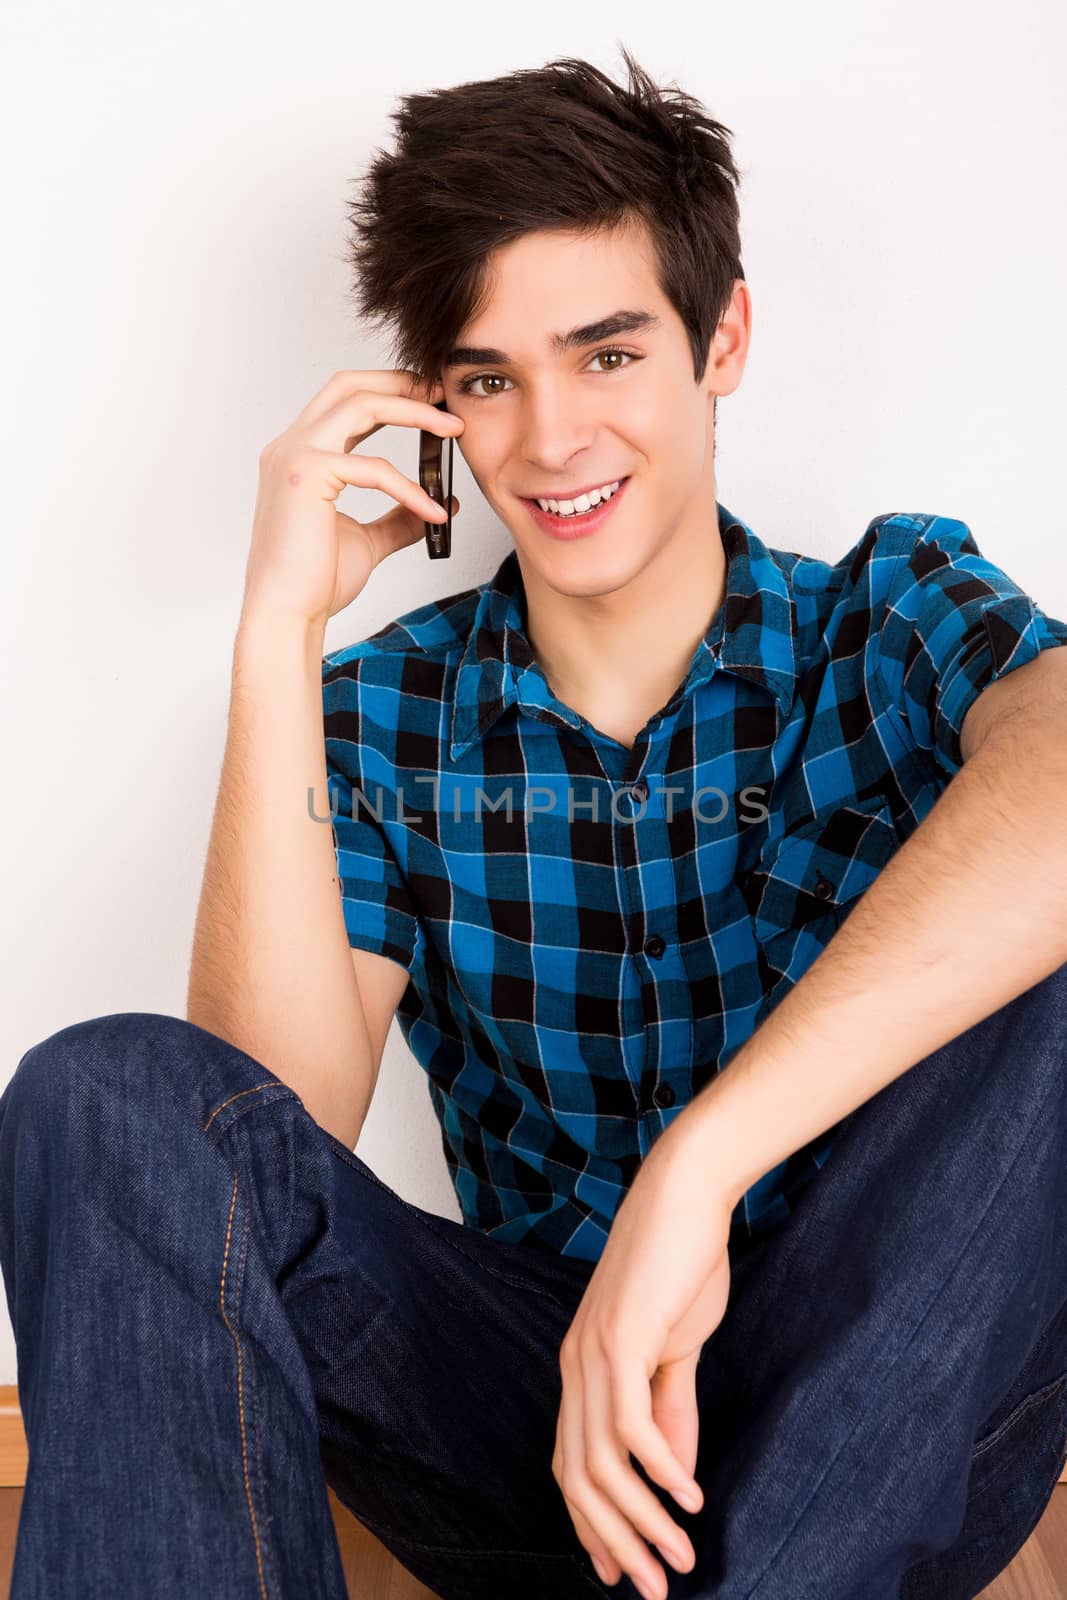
[234, 1097]
[240, 1390]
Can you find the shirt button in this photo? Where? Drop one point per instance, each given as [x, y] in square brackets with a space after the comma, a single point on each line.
[639, 790]
[654, 945]
[823, 888]
[663, 1094]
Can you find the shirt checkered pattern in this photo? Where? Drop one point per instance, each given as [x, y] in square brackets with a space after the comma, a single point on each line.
[592, 932]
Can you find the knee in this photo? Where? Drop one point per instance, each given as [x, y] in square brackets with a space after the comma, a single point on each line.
[63, 1079]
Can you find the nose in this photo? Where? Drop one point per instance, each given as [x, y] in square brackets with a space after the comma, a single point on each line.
[555, 429]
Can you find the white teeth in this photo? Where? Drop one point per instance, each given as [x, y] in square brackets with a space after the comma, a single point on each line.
[584, 502]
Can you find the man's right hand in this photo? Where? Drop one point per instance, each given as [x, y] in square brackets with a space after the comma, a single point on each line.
[307, 559]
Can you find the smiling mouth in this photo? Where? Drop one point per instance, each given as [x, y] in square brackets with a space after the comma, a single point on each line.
[545, 503]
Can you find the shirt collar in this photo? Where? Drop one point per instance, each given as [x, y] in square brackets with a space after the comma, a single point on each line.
[751, 635]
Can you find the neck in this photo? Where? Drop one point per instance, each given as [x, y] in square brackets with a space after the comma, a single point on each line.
[617, 658]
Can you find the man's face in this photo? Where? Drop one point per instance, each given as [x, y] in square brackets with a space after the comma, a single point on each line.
[545, 422]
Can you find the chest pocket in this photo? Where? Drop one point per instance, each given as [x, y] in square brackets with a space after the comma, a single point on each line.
[806, 882]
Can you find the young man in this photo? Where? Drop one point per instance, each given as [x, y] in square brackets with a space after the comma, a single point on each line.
[762, 1187]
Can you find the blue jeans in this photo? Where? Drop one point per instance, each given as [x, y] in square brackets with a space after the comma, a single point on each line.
[219, 1309]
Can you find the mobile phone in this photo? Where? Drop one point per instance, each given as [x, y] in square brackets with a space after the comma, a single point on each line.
[438, 534]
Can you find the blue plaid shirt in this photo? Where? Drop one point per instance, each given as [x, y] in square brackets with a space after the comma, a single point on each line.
[592, 932]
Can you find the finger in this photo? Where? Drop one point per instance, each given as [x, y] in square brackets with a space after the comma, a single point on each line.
[601, 1525]
[596, 1515]
[602, 1558]
[569, 1451]
[677, 1416]
[607, 1457]
[374, 472]
[359, 415]
[392, 531]
[382, 380]
[608, 1536]
[632, 1409]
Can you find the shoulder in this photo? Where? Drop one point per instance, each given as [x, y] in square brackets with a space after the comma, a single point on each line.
[905, 545]
[897, 548]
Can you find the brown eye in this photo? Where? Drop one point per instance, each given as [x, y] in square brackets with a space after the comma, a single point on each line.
[467, 384]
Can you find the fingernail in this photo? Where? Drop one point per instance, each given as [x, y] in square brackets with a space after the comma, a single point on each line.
[649, 1594]
[687, 1500]
[600, 1572]
[677, 1559]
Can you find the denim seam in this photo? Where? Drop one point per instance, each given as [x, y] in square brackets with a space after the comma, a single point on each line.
[286, 1094]
[1045, 1497]
[1061, 1462]
[1060, 1459]
[505, 1277]
[344, 1155]
[268, 1542]
[752, 1593]
[254, 1393]
[271, 1083]
[1033, 1360]
[1019, 1411]
[240, 1390]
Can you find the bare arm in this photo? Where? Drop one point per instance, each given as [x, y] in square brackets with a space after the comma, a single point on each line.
[970, 912]
[272, 970]
[382, 982]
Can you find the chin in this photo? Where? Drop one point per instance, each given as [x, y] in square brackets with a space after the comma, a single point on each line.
[586, 574]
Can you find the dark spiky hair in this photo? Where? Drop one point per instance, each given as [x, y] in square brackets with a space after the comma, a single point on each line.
[559, 146]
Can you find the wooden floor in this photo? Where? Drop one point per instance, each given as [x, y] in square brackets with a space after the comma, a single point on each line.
[1039, 1571]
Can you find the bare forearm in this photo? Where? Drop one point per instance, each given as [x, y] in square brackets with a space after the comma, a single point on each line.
[969, 913]
[271, 965]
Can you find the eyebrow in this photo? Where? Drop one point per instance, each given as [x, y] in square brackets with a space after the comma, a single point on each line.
[468, 355]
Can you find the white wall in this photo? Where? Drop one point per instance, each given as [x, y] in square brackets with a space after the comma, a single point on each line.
[174, 292]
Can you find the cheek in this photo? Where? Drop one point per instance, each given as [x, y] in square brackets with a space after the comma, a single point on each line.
[478, 465]
[485, 450]
[662, 423]
[674, 443]
[640, 416]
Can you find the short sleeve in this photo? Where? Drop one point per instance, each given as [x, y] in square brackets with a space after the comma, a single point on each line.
[375, 897]
[951, 623]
